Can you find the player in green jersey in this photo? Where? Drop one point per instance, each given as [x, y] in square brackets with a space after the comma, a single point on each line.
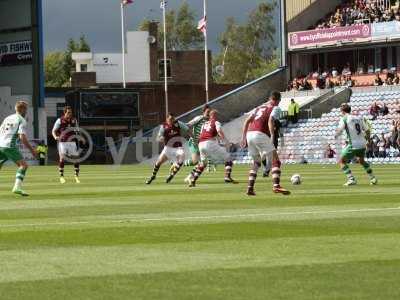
[357, 133]
[13, 129]
[195, 126]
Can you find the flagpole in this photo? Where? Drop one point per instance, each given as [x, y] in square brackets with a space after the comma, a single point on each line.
[165, 59]
[123, 44]
[206, 50]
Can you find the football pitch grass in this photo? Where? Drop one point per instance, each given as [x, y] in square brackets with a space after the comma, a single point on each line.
[113, 237]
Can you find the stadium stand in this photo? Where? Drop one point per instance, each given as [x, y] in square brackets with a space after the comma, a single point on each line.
[307, 141]
[352, 12]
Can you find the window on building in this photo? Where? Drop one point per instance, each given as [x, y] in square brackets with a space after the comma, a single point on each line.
[84, 68]
[161, 69]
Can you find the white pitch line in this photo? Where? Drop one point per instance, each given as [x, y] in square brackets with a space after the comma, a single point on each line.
[127, 220]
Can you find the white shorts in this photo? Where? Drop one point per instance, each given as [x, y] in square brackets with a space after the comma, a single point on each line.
[174, 154]
[68, 149]
[211, 150]
[259, 145]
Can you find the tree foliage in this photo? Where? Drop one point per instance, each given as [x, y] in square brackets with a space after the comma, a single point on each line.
[59, 65]
[182, 33]
[247, 50]
[54, 69]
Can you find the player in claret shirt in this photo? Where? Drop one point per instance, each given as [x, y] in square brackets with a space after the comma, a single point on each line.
[210, 149]
[65, 131]
[258, 132]
[172, 133]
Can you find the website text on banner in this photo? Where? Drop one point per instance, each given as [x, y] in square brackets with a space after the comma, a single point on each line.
[330, 36]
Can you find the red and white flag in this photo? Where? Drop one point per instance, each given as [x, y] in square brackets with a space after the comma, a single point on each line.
[202, 26]
[126, 2]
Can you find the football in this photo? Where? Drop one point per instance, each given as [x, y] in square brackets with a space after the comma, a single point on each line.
[296, 179]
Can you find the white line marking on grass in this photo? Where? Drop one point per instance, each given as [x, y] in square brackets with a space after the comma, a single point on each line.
[214, 217]
[317, 212]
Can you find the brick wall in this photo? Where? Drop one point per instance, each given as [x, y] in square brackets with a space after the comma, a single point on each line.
[182, 98]
[187, 66]
[83, 79]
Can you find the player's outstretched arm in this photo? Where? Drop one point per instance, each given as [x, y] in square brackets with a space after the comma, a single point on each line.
[25, 142]
[194, 121]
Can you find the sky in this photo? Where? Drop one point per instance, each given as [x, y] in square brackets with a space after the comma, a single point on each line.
[100, 20]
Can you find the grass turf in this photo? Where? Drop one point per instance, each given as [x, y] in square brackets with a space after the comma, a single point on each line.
[113, 237]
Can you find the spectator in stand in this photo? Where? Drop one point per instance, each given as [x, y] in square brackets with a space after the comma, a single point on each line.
[378, 81]
[329, 84]
[349, 81]
[374, 110]
[382, 146]
[375, 147]
[320, 83]
[359, 11]
[388, 81]
[397, 107]
[300, 84]
[369, 149]
[329, 152]
[293, 111]
[398, 134]
[384, 110]
[346, 70]
[334, 72]
[370, 69]
[396, 79]
[307, 84]
[394, 134]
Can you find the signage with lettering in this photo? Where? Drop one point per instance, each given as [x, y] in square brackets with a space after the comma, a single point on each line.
[15, 53]
[329, 36]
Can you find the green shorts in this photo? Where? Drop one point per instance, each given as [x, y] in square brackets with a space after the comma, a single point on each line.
[12, 154]
[194, 148]
[349, 153]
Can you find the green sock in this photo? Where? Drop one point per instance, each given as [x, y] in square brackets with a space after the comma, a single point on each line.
[368, 170]
[21, 174]
[346, 170]
[188, 163]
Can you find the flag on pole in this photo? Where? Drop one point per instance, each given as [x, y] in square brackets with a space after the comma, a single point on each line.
[126, 2]
[163, 4]
[202, 25]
